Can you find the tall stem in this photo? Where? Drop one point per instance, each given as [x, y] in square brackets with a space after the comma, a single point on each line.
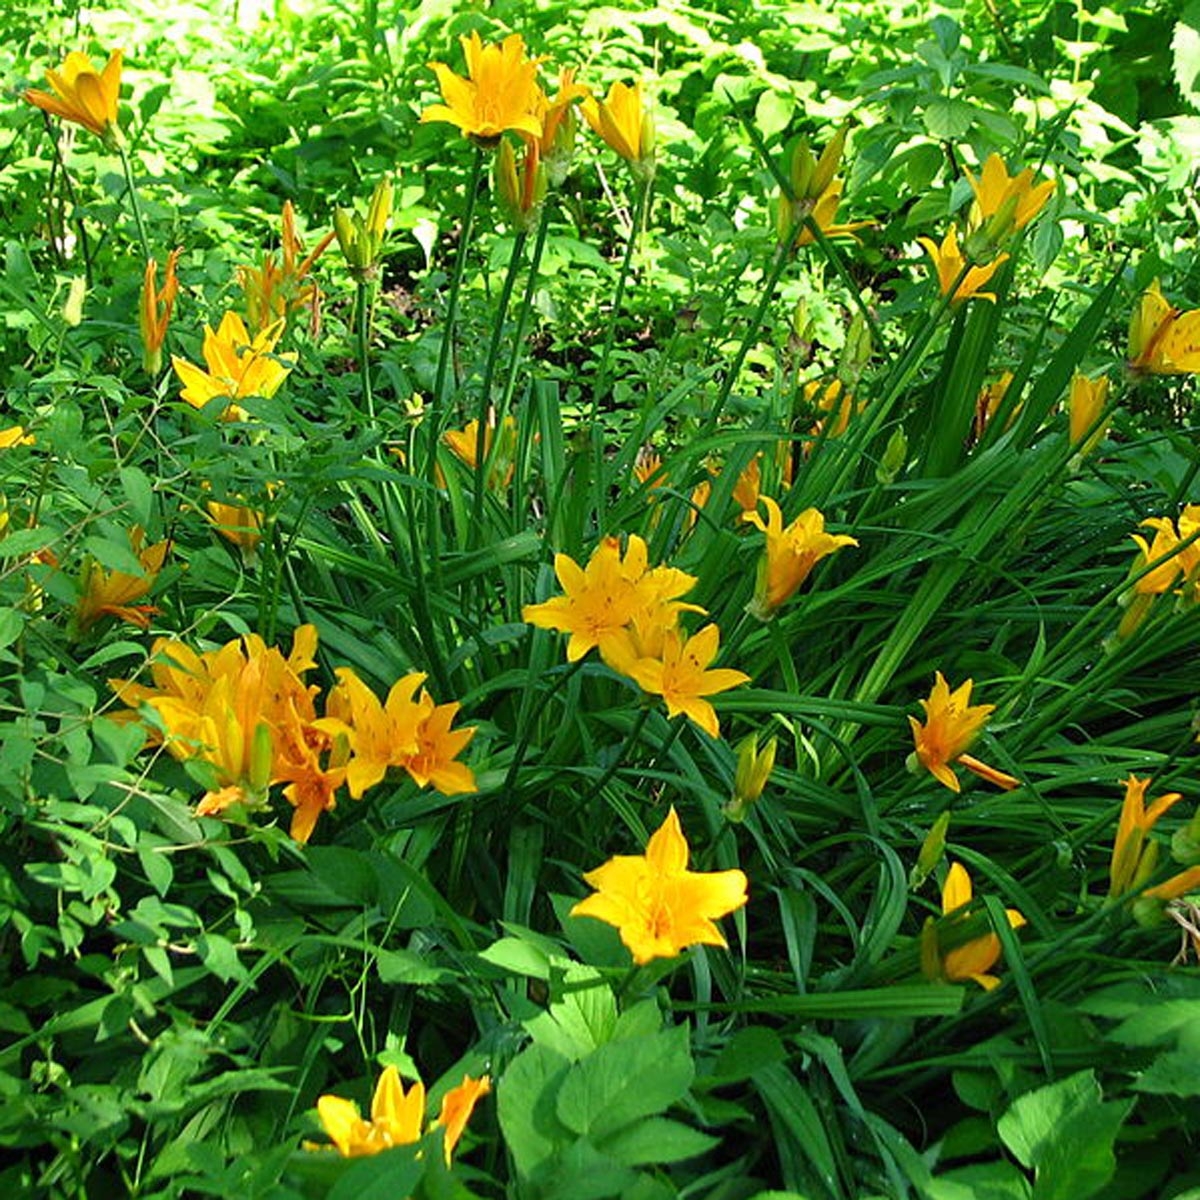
[484, 452]
[134, 203]
[84, 244]
[526, 308]
[364, 301]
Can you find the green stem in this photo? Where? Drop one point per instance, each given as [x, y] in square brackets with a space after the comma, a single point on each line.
[364, 301]
[526, 308]
[523, 731]
[134, 203]
[483, 453]
[643, 208]
[776, 273]
[635, 731]
[68, 184]
[460, 266]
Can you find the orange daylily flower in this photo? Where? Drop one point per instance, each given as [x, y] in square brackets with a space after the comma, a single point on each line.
[275, 290]
[105, 593]
[658, 906]
[1133, 857]
[154, 312]
[952, 723]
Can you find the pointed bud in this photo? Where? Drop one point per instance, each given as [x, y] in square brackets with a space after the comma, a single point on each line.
[830, 160]
[802, 167]
[753, 771]
[262, 756]
[931, 956]
[932, 849]
[379, 213]
[895, 455]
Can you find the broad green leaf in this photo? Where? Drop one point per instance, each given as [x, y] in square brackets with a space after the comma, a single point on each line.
[655, 1140]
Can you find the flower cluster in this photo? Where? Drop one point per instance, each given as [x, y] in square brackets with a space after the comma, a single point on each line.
[1004, 204]
[630, 612]
[245, 716]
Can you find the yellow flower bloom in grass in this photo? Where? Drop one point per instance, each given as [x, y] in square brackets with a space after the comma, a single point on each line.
[948, 262]
[1133, 857]
[237, 524]
[464, 445]
[1005, 202]
[822, 212]
[82, 94]
[1163, 340]
[1184, 560]
[238, 366]
[790, 554]
[679, 674]
[602, 599]
[1085, 404]
[154, 311]
[501, 91]
[406, 731]
[397, 1117]
[976, 958]
[275, 290]
[111, 593]
[15, 435]
[952, 723]
[657, 905]
[624, 124]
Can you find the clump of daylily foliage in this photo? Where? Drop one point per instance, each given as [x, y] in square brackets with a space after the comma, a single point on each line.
[778, 586]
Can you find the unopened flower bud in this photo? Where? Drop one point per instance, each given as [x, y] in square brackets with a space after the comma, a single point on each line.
[895, 455]
[753, 771]
[932, 849]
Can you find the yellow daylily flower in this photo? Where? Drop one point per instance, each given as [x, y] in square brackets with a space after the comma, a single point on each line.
[84, 95]
[15, 435]
[238, 366]
[501, 91]
[397, 1117]
[790, 554]
[1006, 202]
[1085, 404]
[1162, 339]
[975, 959]
[657, 905]
[624, 124]
[1133, 858]
[952, 723]
[948, 262]
[680, 675]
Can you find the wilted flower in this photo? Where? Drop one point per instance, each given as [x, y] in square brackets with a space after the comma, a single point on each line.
[1162, 339]
[988, 402]
[154, 313]
[238, 366]
[501, 91]
[949, 263]
[84, 95]
[975, 959]
[464, 445]
[275, 290]
[558, 125]
[952, 723]
[658, 906]
[790, 554]
[397, 1117]
[624, 124]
